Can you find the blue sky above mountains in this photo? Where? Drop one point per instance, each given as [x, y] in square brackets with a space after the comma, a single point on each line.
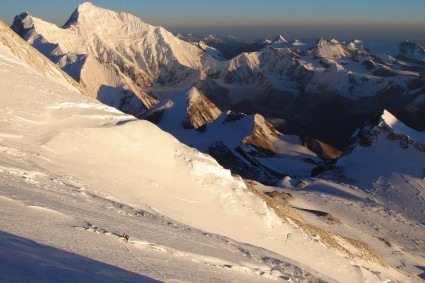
[373, 20]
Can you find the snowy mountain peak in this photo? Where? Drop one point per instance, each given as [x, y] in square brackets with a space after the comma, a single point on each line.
[184, 110]
[386, 126]
[278, 42]
[334, 41]
[263, 133]
[322, 42]
[194, 94]
[211, 51]
[388, 158]
[114, 54]
[329, 49]
[297, 42]
[412, 50]
[200, 110]
[88, 14]
[87, 6]
[400, 128]
[22, 23]
[280, 39]
[389, 118]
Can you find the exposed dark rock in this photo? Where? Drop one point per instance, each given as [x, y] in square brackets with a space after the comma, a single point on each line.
[238, 165]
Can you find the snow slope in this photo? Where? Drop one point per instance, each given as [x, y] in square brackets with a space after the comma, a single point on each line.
[388, 147]
[350, 211]
[70, 166]
[387, 158]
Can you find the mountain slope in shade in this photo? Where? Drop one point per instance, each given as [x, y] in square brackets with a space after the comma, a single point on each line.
[388, 159]
[247, 144]
[412, 50]
[113, 88]
[396, 148]
[211, 51]
[32, 57]
[187, 109]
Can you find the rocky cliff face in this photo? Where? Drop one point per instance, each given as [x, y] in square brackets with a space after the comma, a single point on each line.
[200, 110]
[263, 133]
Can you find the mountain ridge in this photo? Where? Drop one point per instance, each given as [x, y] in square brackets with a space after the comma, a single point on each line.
[282, 80]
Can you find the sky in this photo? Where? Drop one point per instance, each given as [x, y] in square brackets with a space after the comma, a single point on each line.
[389, 20]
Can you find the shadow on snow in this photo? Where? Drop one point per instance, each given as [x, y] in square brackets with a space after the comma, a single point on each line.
[23, 260]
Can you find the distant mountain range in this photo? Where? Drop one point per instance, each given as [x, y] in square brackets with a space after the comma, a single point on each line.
[324, 89]
[321, 91]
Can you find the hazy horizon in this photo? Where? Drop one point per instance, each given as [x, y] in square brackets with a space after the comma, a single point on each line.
[381, 20]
